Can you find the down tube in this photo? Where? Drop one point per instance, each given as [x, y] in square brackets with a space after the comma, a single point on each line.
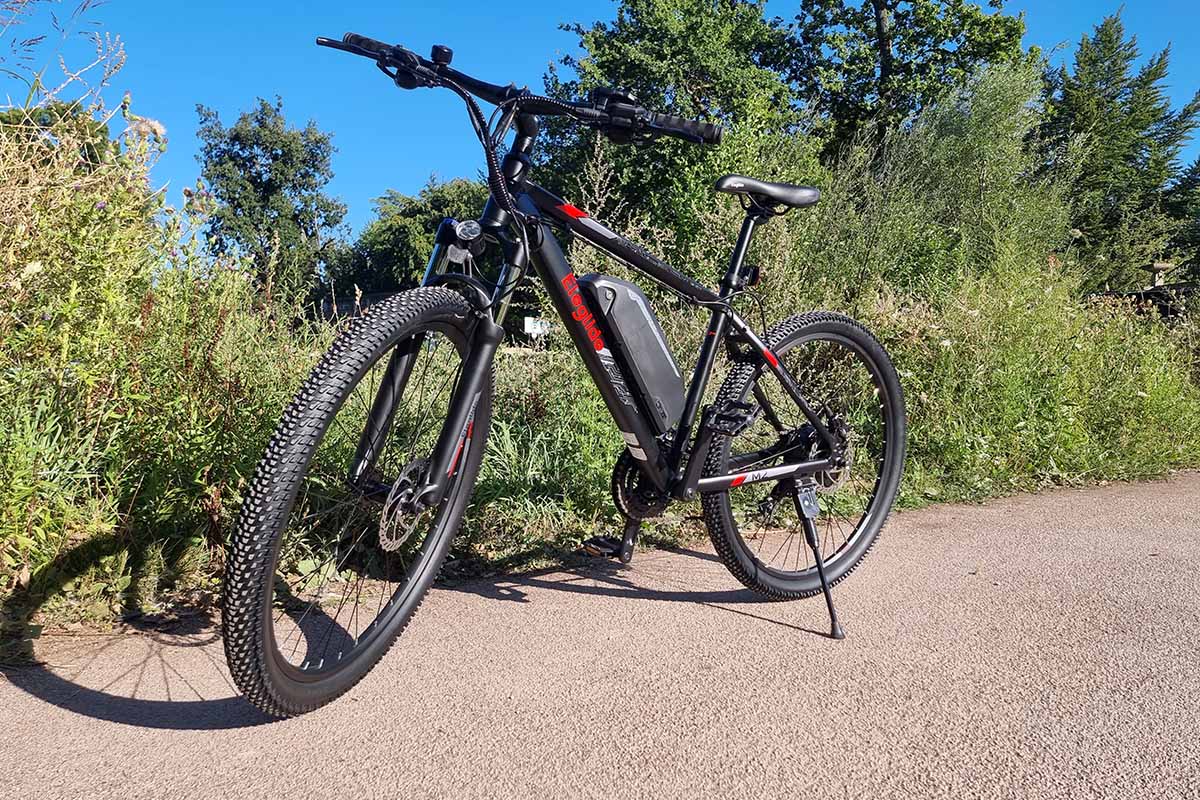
[556, 274]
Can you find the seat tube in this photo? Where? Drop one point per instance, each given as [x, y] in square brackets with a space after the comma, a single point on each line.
[738, 257]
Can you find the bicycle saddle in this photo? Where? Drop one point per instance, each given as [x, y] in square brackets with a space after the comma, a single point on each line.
[764, 193]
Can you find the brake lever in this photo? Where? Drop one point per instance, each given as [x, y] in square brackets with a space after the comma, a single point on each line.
[409, 72]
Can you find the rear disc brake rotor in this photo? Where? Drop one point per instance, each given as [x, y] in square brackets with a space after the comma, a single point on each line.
[833, 479]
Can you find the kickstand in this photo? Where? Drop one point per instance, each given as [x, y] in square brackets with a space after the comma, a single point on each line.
[805, 498]
[629, 539]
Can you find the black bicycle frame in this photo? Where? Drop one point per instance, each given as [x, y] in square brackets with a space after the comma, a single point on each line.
[670, 465]
[668, 462]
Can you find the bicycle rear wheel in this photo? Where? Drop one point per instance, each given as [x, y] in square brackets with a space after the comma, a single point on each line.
[326, 568]
[848, 379]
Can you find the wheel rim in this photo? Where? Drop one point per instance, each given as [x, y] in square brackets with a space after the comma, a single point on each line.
[336, 588]
[841, 383]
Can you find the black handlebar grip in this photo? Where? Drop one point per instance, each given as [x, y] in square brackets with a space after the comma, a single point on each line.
[367, 43]
[694, 129]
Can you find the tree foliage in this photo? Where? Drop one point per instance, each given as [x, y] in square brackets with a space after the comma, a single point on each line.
[709, 58]
[882, 60]
[712, 59]
[49, 124]
[1183, 204]
[269, 179]
[393, 249]
[1133, 140]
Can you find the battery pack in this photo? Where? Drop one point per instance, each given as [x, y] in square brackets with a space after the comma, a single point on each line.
[639, 347]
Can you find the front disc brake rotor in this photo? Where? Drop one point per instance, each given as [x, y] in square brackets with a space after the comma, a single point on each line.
[397, 522]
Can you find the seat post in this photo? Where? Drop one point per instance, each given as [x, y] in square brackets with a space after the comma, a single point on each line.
[736, 260]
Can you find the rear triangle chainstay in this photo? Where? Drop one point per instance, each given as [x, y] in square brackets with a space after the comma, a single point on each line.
[732, 418]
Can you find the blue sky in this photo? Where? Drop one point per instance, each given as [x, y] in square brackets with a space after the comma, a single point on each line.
[224, 54]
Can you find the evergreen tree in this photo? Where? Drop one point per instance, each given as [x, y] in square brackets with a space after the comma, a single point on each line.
[1132, 143]
[1183, 204]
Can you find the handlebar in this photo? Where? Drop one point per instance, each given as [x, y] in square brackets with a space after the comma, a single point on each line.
[615, 113]
[689, 129]
[424, 71]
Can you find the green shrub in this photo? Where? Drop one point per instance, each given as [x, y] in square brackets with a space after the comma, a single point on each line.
[1013, 384]
[140, 379]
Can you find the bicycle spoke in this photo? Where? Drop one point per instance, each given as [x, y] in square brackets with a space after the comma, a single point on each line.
[837, 385]
[331, 536]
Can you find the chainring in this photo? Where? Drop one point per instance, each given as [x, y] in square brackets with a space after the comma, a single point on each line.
[633, 493]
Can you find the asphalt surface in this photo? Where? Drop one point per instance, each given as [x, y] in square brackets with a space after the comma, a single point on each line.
[1036, 647]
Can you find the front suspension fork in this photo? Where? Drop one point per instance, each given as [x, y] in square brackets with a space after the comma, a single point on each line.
[383, 409]
[444, 461]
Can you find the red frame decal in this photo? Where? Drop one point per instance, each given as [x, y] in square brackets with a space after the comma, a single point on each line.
[571, 211]
[580, 312]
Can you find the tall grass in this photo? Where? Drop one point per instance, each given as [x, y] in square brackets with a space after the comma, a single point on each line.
[140, 378]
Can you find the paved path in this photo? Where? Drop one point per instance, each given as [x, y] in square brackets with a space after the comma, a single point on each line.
[1041, 647]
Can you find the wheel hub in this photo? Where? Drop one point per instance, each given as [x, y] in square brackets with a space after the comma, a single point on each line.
[843, 455]
[803, 444]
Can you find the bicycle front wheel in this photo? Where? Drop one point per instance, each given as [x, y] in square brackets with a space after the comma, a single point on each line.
[325, 566]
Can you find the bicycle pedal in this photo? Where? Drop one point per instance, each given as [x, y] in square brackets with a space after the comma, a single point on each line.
[613, 547]
[602, 547]
[732, 418]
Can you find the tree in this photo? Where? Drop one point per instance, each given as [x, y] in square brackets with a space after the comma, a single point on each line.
[268, 180]
[1133, 140]
[881, 61]
[47, 123]
[393, 249]
[711, 59]
[1183, 204]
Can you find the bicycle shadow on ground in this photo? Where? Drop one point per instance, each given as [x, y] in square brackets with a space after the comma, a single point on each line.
[148, 688]
[607, 577]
